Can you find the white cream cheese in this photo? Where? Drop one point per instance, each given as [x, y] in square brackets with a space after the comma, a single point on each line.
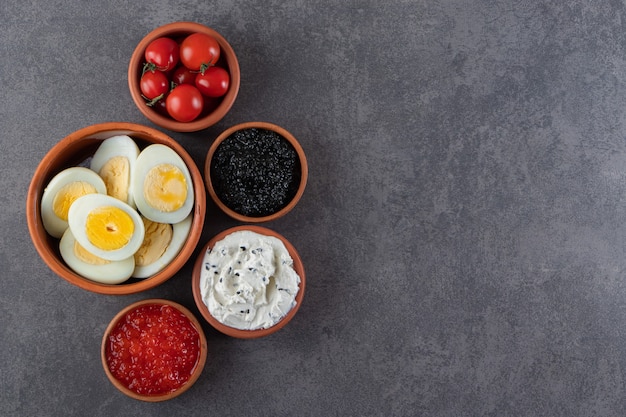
[248, 281]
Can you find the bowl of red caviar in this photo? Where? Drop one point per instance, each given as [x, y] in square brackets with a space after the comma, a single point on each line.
[153, 350]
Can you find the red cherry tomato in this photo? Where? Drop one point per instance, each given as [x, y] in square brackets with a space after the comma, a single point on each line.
[199, 51]
[162, 54]
[184, 103]
[183, 75]
[154, 84]
[213, 82]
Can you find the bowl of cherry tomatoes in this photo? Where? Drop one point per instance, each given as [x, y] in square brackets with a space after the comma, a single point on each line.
[184, 76]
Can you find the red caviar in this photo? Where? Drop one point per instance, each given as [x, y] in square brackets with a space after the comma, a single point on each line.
[153, 349]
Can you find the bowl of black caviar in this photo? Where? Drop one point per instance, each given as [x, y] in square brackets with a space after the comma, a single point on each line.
[256, 172]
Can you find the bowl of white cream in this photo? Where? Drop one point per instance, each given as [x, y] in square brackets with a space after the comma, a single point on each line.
[248, 281]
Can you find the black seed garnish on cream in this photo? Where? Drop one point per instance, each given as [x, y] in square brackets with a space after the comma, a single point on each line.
[255, 172]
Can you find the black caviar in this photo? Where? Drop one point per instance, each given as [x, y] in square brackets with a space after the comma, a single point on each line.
[255, 172]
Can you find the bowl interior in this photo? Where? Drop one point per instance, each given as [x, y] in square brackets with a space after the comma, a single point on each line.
[247, 334]
[215, 109]
[199, 366]
[304, 169]
[75, 150]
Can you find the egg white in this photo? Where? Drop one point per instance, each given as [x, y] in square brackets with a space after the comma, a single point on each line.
[113, 272]
[77, 219]
[180, 231]
[150, 157]
[121, 145]
[54, 225]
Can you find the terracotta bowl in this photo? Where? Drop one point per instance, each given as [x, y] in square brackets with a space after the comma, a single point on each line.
[73, 150]
[215, 109]
[211, 182]
[195, 371]
[247, 334]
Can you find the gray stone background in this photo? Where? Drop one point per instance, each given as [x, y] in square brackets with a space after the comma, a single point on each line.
[462, 229]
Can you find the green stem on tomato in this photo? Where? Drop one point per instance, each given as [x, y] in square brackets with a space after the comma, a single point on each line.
[154, 101]
[148, 66]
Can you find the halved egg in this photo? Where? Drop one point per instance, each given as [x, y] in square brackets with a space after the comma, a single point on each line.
[161, 244]
[106, 226]
[162, 185]
[61, 192]
[114, 161]
[93, 267]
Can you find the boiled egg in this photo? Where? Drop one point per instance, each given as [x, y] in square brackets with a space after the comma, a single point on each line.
[161, 244]
[114, 161]
[106, 226]
[93, 267]
[61, 192]
[162, 185]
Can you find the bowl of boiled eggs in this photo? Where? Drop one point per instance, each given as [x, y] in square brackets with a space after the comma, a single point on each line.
[116, 208]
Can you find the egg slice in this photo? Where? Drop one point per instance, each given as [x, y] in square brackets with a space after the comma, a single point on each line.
[61, 192]
[92, 267]
[162, 185]
[114, 161]
[106, 226]
[161, 244]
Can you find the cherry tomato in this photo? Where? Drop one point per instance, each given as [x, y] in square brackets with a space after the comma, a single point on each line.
[213, 82]
[199, 51]
[162, 54]
[154, 84]
[183, 75]
[184, 103]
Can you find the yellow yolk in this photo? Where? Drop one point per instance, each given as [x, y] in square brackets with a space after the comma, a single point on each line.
[116, 175]
[156, 240]
[109, 228]
[165, 188]
[68, 194]
[87, 257]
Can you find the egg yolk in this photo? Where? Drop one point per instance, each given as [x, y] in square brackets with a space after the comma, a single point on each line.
[109, 228]
[88, 257]
[165, 188]
[68, 194]
[116, 175]
[156, 240]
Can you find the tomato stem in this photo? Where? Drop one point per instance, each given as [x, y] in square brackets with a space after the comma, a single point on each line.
[206, 65]
[148, 66]
[154, 101]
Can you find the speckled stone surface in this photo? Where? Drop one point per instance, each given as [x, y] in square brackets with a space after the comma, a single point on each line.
[463, 228]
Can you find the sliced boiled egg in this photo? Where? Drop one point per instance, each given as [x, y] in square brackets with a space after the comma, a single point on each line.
[162, 185]
[106, 226]
[161, 244]
[61, 192]
[93, 267]
[114, 161]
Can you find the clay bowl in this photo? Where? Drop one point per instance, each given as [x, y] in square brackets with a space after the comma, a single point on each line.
[157, 308]
[215, 109]
[218, 180]
[247, 334]
[73, 150]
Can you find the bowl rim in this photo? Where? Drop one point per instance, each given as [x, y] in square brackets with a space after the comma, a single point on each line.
[304, 170]
[231, 331]
[196, 371]
[136, 62]
[38, 183]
